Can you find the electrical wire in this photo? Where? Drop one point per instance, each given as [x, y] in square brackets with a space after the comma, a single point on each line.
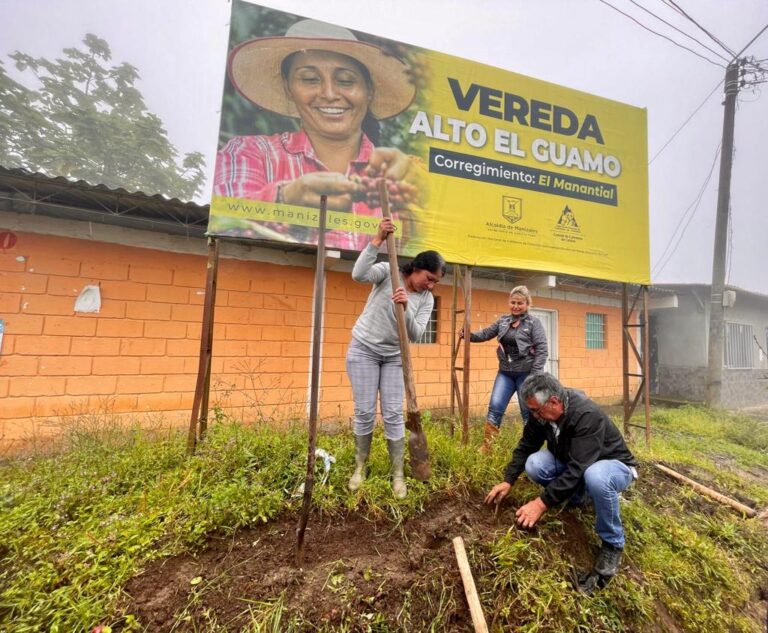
[751, 41]
[659, 267]
[679, 9]
[690, 50]
[758, 93]
[690, 37]
[700, 106]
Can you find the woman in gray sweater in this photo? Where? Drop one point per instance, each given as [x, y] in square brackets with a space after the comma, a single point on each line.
[373, 359]
[522, 350]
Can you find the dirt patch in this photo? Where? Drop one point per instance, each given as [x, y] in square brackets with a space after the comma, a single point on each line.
[354, 568]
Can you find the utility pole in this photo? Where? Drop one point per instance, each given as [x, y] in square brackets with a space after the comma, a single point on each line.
[716, 308]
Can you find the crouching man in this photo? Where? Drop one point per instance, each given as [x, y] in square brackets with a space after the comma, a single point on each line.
[584, 454]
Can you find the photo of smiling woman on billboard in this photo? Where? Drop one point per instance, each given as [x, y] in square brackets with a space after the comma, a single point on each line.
[317, 97]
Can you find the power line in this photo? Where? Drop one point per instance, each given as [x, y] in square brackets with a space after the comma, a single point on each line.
[659, 267]
[605, 2]
[669, 24]
[700, 106]
[751, 41]
[675, 6]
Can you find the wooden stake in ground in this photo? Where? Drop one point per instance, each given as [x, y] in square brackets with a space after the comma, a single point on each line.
[417, 440]
[475, 608]
[314, 384]
[713, 494]
[199, 419]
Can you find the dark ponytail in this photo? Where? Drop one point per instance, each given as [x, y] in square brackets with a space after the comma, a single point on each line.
[431, 261]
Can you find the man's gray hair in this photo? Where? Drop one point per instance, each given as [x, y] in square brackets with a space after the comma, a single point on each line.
[542, 387]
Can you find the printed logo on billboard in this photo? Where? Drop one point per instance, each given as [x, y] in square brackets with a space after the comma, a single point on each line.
[511, 209]
[567, 218]
[567, 228]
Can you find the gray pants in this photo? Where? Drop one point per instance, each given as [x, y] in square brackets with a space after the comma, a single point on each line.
[370, 374]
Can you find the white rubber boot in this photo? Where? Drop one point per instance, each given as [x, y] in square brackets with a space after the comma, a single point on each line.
[396, 457]
[362, 450]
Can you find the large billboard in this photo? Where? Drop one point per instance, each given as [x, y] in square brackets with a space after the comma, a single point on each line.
[486, 166]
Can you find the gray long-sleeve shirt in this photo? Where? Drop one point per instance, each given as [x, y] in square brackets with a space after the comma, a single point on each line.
[376, 327]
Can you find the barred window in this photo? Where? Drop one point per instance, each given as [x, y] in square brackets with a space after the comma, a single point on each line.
[738, 346]
[595, 331]
[430, 333]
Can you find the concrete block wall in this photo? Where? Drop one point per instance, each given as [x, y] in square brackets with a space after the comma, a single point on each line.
[139, 355]
[744, 388]
[598, 372]
[683, 383]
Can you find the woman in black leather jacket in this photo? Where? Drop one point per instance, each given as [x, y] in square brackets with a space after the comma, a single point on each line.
[522, 350]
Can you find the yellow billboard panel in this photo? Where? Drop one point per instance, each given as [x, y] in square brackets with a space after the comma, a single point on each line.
[486, 166]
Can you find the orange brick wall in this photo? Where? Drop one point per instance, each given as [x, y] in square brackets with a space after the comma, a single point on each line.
[139, 354]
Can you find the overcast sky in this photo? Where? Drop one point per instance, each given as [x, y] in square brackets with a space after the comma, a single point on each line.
[179, 47]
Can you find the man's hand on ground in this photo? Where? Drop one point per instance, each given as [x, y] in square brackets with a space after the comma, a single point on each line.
[498, 492]
[530, 513]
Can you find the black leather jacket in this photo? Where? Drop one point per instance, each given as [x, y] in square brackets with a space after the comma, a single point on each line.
[531, 342]
[586, 436]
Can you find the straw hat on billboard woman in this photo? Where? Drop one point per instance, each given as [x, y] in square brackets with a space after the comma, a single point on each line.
[339, 88]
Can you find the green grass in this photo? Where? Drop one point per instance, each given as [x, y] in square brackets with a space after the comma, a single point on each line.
[79, 524]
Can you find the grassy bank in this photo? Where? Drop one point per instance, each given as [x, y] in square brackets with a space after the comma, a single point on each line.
[79, 525]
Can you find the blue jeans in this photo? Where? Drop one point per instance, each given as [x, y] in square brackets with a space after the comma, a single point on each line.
[507, 383]
[603, 481]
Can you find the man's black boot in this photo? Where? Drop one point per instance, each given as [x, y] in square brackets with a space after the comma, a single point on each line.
[608, 559]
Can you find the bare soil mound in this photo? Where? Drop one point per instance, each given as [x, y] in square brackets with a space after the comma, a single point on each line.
[354, 568]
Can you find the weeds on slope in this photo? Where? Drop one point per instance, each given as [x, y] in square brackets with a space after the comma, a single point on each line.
[78, 525]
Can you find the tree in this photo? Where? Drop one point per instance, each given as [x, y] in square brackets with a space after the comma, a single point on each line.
[87, 120]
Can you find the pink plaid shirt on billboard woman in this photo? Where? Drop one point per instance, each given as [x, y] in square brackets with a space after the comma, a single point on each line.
[253, 168]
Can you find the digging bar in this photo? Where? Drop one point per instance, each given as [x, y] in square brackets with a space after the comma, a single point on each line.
[417, 440]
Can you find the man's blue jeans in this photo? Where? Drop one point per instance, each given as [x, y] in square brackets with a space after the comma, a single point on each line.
[507, 383]
[603, 480]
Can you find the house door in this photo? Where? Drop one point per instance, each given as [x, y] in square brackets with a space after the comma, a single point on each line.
[548, 319]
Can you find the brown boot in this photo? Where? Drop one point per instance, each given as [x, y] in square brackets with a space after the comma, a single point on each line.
[489, 438]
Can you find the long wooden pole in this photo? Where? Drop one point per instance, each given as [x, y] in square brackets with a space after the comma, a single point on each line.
[475, 608]
[454, 346]
[309, 483]
[206, 349]
[465, 375]
[745, 510]
[417, 440]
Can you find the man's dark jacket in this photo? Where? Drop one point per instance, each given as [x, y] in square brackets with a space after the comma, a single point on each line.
[587, 435]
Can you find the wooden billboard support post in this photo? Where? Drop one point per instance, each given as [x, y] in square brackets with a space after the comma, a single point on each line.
[455, 342]
[198, 422]
[627, 343]
[460, 395]
[314, 383]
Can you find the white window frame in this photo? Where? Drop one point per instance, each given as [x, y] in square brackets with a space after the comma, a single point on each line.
[737, 348]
